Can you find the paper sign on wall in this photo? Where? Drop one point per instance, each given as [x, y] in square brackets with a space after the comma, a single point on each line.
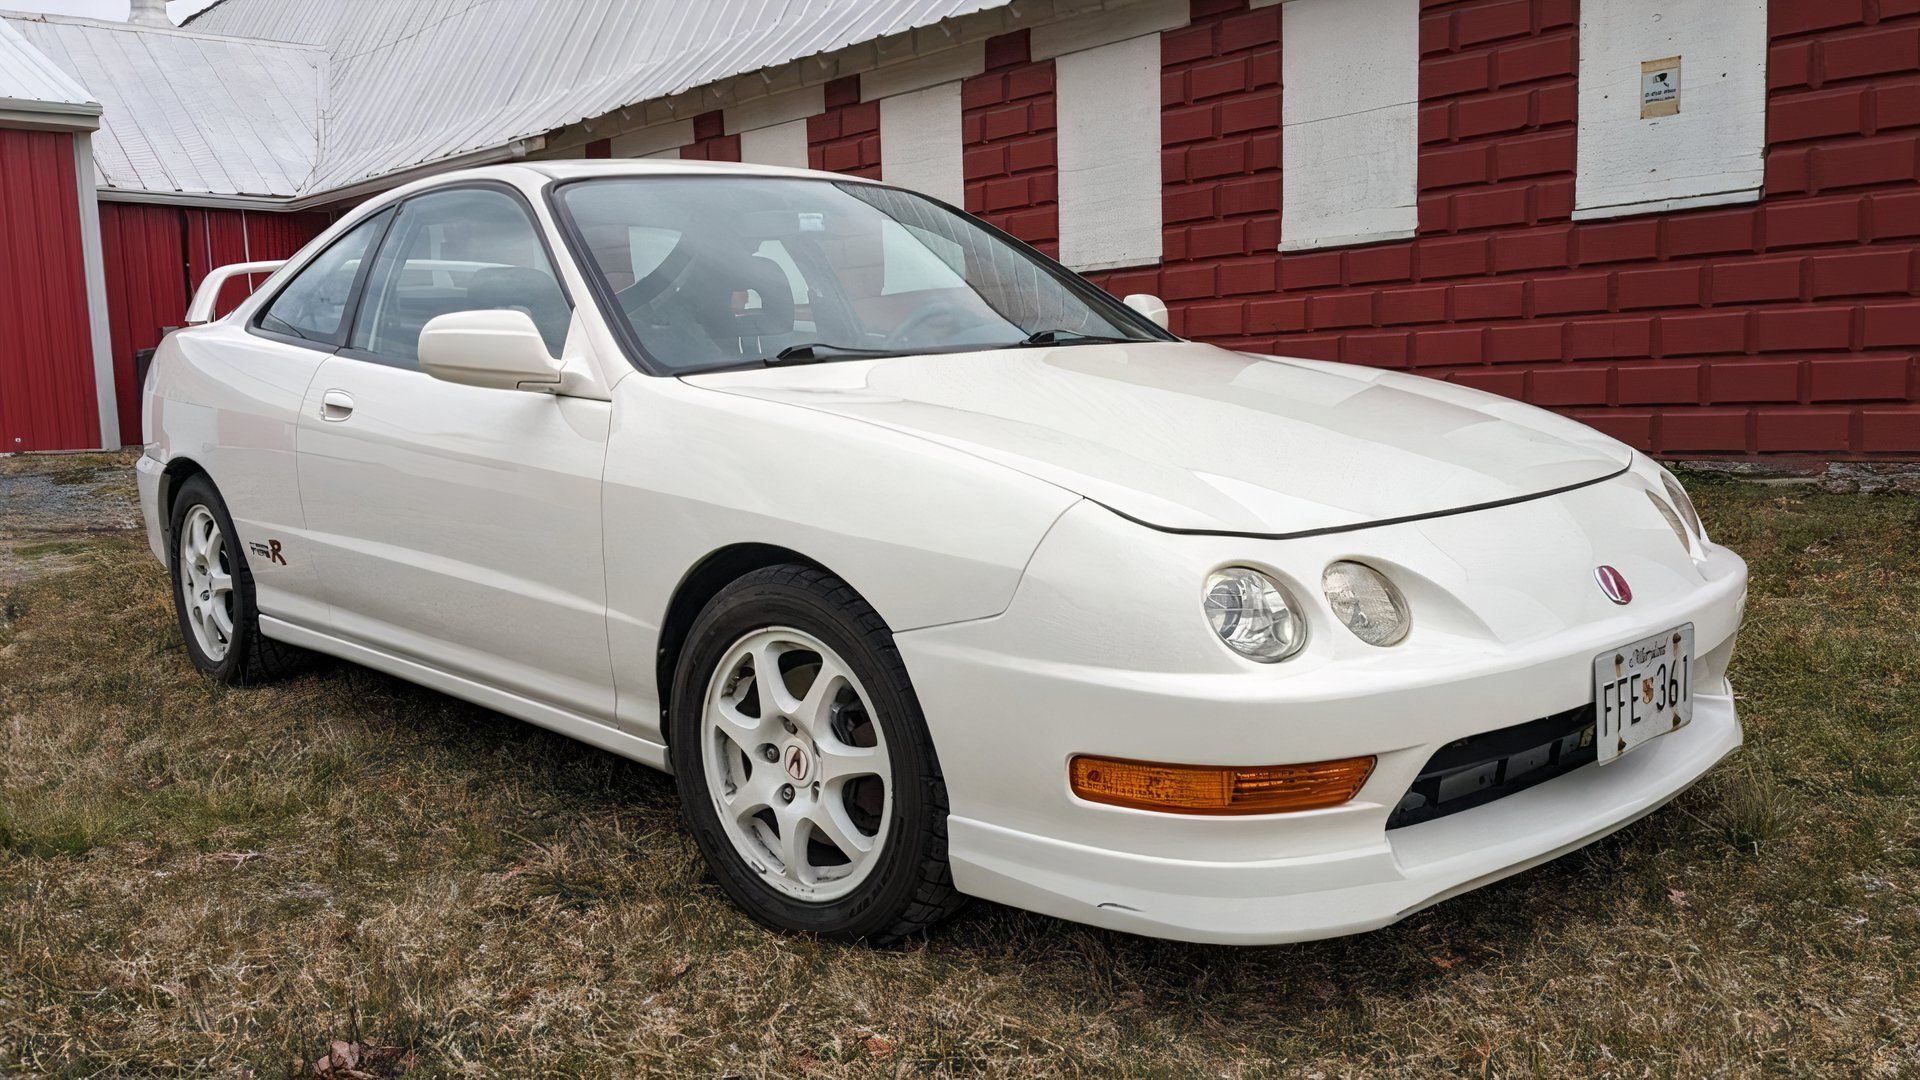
[1660, 87]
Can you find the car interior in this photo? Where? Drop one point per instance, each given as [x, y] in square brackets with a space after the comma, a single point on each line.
[458, 250]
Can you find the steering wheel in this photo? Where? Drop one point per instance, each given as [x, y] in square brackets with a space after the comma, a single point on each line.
[908, 331]
[642, 294]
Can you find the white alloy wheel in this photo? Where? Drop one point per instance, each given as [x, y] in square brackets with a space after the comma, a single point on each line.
[796, 764]
[206, 582]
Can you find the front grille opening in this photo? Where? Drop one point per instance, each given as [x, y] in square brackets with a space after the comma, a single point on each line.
[1492, 765]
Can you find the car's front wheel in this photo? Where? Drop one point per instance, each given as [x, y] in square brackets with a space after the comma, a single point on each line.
[804, 765]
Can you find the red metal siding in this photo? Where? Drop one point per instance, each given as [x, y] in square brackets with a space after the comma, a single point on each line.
[216, 238]
[144, 248]
[157, 255]
[47, 397]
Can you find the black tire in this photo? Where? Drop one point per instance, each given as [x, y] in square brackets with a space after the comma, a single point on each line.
[250, 657]
[911, 887]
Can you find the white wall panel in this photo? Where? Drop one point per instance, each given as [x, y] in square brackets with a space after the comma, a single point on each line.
[774, 109]
[781, 144]
[1102, 28]
[647, 142]
[1349, 141]
[960, 62]
[1711, 151]
[920, 142]
[1109, 154]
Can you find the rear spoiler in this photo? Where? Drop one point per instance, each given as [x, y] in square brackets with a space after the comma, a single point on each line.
[208, 294]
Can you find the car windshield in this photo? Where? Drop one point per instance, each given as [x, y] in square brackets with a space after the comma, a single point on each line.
[728, 271]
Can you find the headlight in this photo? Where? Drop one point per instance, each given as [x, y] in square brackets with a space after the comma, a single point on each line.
[1367, 602]
[1254, 615]
[1673, 520]
[1685, 502]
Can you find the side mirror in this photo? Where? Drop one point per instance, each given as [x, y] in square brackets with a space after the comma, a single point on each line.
[500, 349]
[1149, 305]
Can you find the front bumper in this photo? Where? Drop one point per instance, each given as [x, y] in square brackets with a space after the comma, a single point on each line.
[1070, 669]
[1270, 900]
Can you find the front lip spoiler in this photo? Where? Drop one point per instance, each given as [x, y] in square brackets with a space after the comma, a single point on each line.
[1331, 529]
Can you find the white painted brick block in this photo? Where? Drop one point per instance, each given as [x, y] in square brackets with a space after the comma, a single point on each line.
[1712, 150]
[920, 143]
[1349, 135]
[782, 144]
[1108, 101]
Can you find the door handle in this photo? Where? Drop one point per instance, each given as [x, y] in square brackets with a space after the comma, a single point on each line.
[336, 405]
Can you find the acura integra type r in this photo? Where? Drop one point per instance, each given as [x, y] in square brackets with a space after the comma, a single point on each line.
[928, 569]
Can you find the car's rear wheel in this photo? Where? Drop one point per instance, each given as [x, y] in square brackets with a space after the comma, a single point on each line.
[213, 593]
[804, 765]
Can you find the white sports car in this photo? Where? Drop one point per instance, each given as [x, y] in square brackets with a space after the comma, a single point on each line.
[927, 568]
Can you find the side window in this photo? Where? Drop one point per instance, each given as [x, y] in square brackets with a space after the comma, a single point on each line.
[313, 304]
[470, 249]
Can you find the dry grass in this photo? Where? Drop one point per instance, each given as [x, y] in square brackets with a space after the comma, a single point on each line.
[199, 880]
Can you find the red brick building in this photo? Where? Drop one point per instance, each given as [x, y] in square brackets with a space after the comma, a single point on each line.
[1788, 326]
[1502, 193]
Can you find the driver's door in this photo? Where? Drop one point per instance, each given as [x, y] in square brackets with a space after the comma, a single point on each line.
[456, 525]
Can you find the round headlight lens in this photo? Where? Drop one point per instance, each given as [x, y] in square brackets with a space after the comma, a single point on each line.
[1254, 615]
[1685, 502]
[1367, 602]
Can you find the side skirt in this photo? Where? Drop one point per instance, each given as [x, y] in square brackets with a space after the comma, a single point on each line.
[570, 724]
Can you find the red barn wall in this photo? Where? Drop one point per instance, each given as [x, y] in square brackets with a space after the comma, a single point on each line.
[47, 392]
[144, 251]
[156, 256]
[1788, 326]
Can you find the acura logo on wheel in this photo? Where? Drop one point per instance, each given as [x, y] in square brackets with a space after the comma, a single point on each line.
[796, 762]
[1613, 584]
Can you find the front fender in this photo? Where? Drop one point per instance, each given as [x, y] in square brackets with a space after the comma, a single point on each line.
[927, 534]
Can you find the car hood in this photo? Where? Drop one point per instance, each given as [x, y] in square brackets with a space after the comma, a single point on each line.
[1191, 437]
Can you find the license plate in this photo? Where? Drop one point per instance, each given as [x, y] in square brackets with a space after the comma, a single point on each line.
[1642, 691]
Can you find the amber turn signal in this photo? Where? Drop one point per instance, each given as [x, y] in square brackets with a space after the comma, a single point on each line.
[1218, 789]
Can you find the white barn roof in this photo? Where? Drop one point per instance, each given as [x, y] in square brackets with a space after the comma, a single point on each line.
[33, 84]
[188, 112]
[416, 81]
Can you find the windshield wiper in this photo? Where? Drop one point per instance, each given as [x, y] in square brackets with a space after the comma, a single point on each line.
[820, 350]
[1071, 337]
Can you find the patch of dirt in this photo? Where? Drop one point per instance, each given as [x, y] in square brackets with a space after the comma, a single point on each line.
[55, 508]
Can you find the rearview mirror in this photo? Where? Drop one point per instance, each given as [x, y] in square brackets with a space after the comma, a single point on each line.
[500, 349]
[1154, 308]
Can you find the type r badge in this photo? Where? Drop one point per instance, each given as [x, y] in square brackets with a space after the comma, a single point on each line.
[270, 551]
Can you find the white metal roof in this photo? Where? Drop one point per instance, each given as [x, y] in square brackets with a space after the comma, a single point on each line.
[32, 83]
[189, 112]
[418, 81]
